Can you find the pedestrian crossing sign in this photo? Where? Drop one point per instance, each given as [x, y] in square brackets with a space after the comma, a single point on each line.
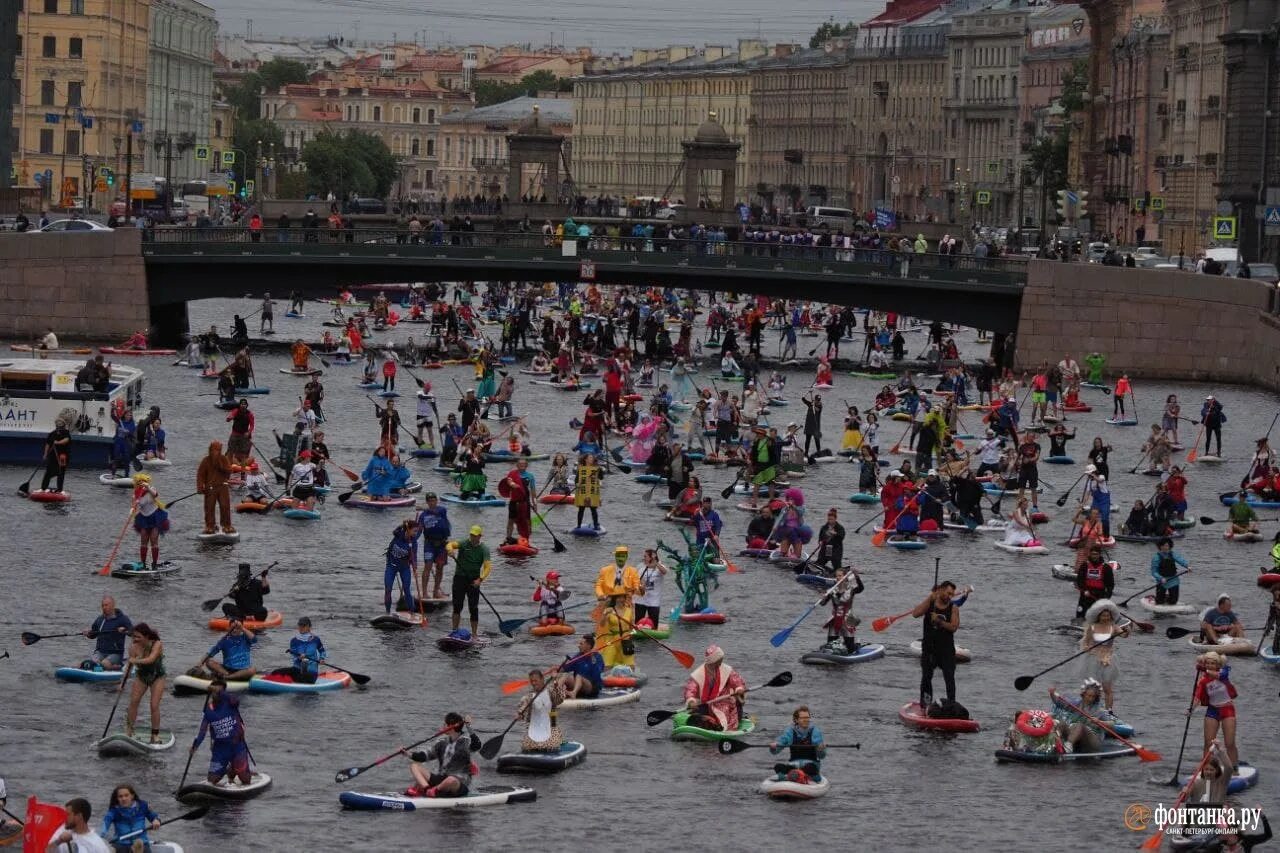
[1224, 227]
[202, 152]
[984, 197]
[1273, 216]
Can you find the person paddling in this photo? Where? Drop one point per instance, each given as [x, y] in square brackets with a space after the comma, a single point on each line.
[237, 659]
[805, 746]
[715, 693]
[938, 645]
[538, 709]
[307, 651]
[130, 815]
[229, 754]
[247, 595]
[108, 632]
[1216, 693]
[454, 767]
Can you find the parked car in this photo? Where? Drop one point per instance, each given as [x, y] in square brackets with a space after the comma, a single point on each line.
[1096, 252]
[671, 211]
[368, 205]
[61, 225]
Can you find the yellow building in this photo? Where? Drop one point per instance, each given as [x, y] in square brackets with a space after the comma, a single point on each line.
[629, 124]
[82, 77]
[473, 157]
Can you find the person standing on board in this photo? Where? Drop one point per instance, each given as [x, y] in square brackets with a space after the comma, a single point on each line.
[938, 643]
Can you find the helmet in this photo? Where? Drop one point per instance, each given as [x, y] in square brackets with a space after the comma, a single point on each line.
[553, 575]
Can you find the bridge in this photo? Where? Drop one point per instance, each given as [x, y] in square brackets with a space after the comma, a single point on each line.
[197, 263]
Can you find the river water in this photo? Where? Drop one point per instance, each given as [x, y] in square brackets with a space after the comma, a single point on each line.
[903, 791]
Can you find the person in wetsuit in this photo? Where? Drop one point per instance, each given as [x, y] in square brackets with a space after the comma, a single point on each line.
[938, 646]
[246, 595]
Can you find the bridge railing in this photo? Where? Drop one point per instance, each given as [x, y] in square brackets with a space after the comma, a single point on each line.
[372, 242]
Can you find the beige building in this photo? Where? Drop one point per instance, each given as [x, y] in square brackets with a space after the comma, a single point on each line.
[629, 124]
[473, 153]
[407, 119]
[82, 77]
[456, 68]
[179, 87]
[798, 128]
[1195, 120]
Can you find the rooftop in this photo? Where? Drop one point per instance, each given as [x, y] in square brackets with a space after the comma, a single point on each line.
[552, 110]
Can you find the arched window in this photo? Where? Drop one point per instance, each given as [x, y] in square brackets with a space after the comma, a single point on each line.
[431, 148]
[377, 113]
[431, 116]
[413, 147]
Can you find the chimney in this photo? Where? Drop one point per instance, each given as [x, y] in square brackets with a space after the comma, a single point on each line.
[675, 53]
[751, 49]
[712, 52]
[782, 51]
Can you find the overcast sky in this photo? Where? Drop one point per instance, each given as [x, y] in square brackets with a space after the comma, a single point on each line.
[606, 25]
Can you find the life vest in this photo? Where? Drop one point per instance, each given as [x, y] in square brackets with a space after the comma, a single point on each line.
[1034, 723]
[1167, 568]
[1094, 579]
[802, 747]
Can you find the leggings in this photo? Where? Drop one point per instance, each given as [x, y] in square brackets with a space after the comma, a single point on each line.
[1211, 432]
[1117, 405]
[595, 515]
[816, 438]
[406, 584]
[463, 591]
[643, 610]
[1167, 596]
[927, 664]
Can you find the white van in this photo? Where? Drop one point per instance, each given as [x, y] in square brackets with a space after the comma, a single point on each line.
[835, 217]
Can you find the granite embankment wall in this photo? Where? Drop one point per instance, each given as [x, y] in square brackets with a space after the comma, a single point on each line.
[86, 285]
[1152, 323]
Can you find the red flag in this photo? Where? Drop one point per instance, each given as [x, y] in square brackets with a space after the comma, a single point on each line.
[44, 820]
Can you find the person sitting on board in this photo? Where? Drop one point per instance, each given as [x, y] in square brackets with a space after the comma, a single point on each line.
[708, 524]
[1079, 733]
[550, 596]
[378, 474]
[247, 594]
[715, 693]
[237, 659]
[760, 528]
[301, 481]
[76, 834]
[1220, 621]
[128, 814]
[538, 709]
[842, 624]
[1243, 518]
[229, 754]
[307, 651]
[1216, 693]
[1139, 521]
[301, 355]
[805, 746]
[108, 632]
[583, 678]
[454, 767]
[907, 522]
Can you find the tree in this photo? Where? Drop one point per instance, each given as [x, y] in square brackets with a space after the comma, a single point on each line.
[354, 161]
[246, 96]
[250, 137]
[489, 92]
[829, 29]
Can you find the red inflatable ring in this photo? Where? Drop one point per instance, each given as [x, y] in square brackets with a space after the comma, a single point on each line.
[1269, 579]
[1034, 723]
[559, 629]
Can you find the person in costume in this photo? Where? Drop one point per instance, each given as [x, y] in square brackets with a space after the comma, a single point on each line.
[550, 596]
[518, 488]
[538, 709]
[150, 519]
[586, 494]
[617, 585]
[715, 694]
[1216, 693]
[842, 624]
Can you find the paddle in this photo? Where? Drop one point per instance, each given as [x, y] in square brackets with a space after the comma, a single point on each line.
[128, 668]
[1257, 651]
[183, 498]
[25, 488]
[355, 676]
[728, 490]
[518, 684]
[729, 565]
[1022, 682]
[730, 747]
[19, 820]
[1141, 459]
[280, 478]
[782, 636]
[1191, 707]
[352, 772]
[1194, 453]
[111, 558]
[782, 679]
[1204, 519]
[685, 659]
[30, 639]
[556, 544]
[884, 622]
[515, 624]
[1065, 496]
[1176, 633]
[898, 444]
[1144, 754]
[213, 602]
[878, 539]
[194, 814]
[495, 611]
[343, 497]
[648, 496]
[1148, 589]
[1154, 842]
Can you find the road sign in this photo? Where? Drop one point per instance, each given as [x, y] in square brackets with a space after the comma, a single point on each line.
[231, 187]
[1157, 202]
[228, 158]
[1139, 204]
[984, 197]
[249, 186]
[993, 167]
[586, 270]
[202, 152]
[1271, 219]
[136, 127]
[1224, 228]
[39, 176]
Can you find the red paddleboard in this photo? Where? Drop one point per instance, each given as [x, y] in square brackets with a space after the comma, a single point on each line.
[44, 497]
[1266, 581]
[125, 351]
[704, 618]
[518, 549]
[556, 499]
[913, 715]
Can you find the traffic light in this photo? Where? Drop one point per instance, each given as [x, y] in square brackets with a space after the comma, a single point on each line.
[1063, 211]
[244, 192]
[1082, 206]
[111, 178]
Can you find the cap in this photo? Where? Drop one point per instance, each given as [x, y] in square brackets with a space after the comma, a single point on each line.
[1091, 469]
[932, 473]
[1223, 597]
[244, 568]
[621, 549]
[306, 454]
[1210, 397]
[477, 530]
[553, 575]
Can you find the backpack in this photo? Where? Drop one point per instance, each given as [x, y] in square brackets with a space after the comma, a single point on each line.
[947, 709]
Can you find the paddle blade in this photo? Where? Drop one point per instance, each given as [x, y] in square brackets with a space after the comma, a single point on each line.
[616, 453]
[194, 814]
[653, 718]
[515, 686]
[730, 747]
[1192, 455]
[726, 491]
[351, 475]
[686, 660]
[878, 539]
[508, 625]
[782, 679]
[1154, 842]
[105, 570]
[25, 488]
[779, 638]
[882, 623]
[1146, 754]
[624, 468]
[732, 567]
[345, 496]
[1176, 633]
[349, 773]
[1022, 682]
[558, 546]
[492, 746]
[1204, 519]
[359, 678]
[29, 638]
[210, 604]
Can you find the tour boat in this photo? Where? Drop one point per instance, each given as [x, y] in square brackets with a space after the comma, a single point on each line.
[34, 393]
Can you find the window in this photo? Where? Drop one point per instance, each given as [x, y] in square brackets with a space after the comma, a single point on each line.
[413, 146]
[73, 93]
[77, 7]
[46, 93]
[75, 48]
[217, 128]
[431, 148]
[377, 113]
[51, 7]
[417, 115]
[46, 140]
[71, 142]
[431, 116]
[19, 53]
[49, 46]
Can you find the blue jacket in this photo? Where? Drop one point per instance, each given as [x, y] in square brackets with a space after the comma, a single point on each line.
[127, 820]
[307, 649]
[1167, 583]
[224, 721]
[378, 476]
[235, 649]
[110, 640]
[591, 668]
[401, 550]
[434, 524]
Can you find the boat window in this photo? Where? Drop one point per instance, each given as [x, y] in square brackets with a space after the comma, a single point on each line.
[17, 380]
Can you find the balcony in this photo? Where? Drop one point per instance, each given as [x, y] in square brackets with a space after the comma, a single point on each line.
[489, 163]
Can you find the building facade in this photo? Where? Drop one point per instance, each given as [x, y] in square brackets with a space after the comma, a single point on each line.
[81, 76]
[179, 87]
[407, 119]
[629, 124]
[473, 153]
